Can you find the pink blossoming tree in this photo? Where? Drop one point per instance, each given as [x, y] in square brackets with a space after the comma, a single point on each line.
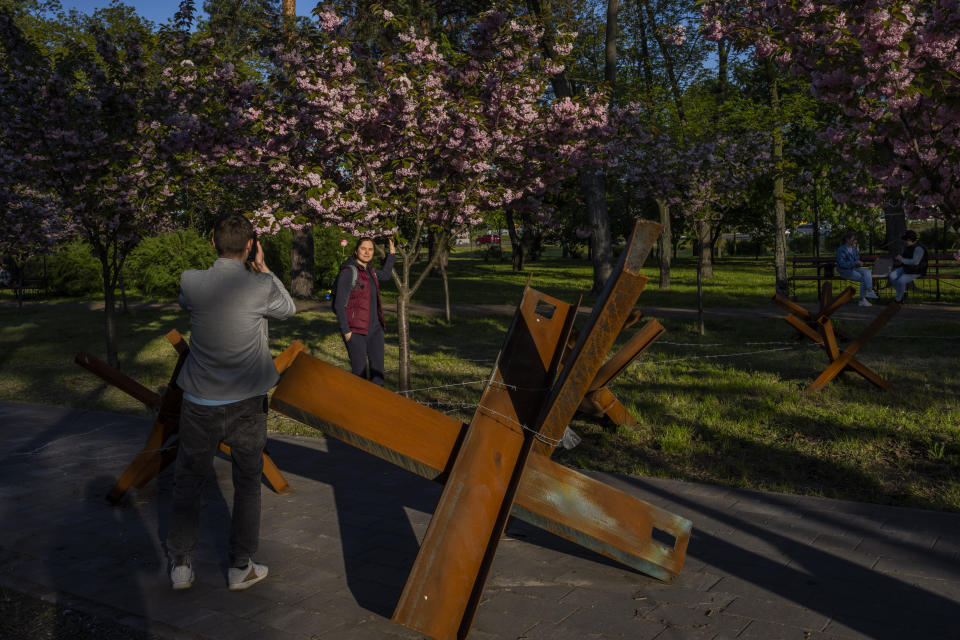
[30, 222]
[700, 179]
[88, 142]
[892, 66]
[414, 140]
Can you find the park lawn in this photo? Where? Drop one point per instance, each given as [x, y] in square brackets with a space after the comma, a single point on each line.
[738, 282]
[726, 408]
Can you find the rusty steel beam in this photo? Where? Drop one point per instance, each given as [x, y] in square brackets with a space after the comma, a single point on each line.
[837, 303]
[612, 309]
[444, 587]
[497, 465]
[160, 449]
[602, 403]
[118, 379]
[636, 345]
[155, 457]
[821, 330]
[845, 359]
[790, 306]
[365, 412]
[541, 499]
[366, 416]
[601, 518]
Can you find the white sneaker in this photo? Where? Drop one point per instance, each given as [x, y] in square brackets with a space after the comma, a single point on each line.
[872, 295]
[246, 577]
[181, 576]
[864, 303]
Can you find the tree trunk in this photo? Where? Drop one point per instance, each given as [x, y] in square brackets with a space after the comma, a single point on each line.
[896, 225]
[446, 289]
[436, 247]
[779, 206]
[516, 248]
[592, 183]
[302, 251]
[705, 246]
[301, 263]
[403, 338]
[816, 218]
[405, 290]
[18, 283]
[723, 50]
[123, 295]
[701, 325]
[595, 196]
[110, 316]
[610, 55]
[664, 244]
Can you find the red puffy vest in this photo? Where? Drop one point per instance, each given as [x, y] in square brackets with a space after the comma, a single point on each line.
[358, 304]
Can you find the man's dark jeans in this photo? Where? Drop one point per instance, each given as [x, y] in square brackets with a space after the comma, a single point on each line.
[243, 427]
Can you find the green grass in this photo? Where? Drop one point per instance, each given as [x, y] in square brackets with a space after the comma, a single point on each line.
[726, 408]
[744, 420]
[737, 282]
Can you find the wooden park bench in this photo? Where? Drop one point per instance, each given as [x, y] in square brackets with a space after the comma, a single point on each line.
[34, 286]
[943, 269]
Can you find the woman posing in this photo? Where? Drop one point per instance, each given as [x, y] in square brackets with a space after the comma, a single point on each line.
[359, 308]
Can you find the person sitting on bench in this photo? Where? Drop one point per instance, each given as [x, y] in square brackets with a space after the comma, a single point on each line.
[913, 264]
[850, 267]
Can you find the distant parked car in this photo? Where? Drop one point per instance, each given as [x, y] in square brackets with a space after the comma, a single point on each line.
[490, 238]
[807, 230]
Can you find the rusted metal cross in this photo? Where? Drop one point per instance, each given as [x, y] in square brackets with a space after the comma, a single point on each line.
[599, 401]
[499, 464]
[819, 328]
[161, 446]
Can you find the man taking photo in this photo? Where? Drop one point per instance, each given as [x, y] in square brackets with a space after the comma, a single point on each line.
[225, 379]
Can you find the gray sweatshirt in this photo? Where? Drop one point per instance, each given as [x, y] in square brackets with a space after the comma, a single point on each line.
[229, 355]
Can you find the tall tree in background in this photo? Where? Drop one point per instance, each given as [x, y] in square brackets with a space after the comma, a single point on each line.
[30, 218]
[95, 138]
[302, 252]
[893, 68]
[416, 140]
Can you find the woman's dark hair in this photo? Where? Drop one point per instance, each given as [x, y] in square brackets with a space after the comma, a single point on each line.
[361, 240]
[848, 235]
[231, 234]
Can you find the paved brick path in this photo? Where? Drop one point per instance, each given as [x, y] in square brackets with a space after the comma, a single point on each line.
[760, 565]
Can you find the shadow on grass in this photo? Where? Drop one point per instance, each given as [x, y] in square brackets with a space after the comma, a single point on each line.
[769, 442]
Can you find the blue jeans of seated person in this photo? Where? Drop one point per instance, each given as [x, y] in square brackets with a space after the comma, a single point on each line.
[899, 281]
[860, 275]
[243, 427]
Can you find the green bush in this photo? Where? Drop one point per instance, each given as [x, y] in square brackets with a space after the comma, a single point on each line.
[800, 245]
[155, 265]
[74, 271]
[745, 247]
[276, 253]
[328, 255]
